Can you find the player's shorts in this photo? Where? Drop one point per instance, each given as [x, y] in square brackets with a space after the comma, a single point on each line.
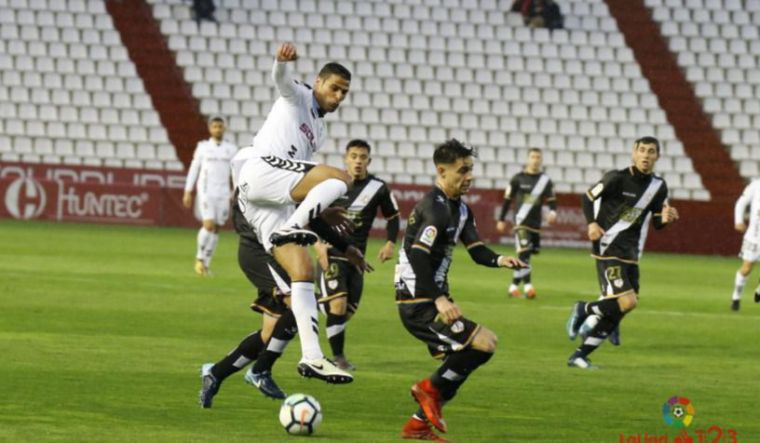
[617, 277]
[527, 240]
[271, 281]
[420, 319]
[264, 193]
[214, 208]
[750, 251]
[267, 181]
[341, 279]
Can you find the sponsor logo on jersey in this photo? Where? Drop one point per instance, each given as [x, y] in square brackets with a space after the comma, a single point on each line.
[428, 235]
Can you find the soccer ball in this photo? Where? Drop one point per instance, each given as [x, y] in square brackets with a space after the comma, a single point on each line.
[678, 411]
[300, 414]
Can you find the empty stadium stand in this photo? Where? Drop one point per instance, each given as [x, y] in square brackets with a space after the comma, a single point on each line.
[426, 71]
[69, 93]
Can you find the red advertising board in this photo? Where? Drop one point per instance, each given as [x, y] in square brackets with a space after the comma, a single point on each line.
[140, 197]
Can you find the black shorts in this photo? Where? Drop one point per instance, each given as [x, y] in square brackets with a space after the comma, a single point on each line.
[617, 277]
[341, 279]
[271, 281]
[420, 319]
[527, 240]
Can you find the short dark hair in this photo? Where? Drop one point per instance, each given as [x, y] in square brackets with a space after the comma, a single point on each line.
[334, 68]
[534, 149]
[648, 140]
[450, 151]
[216, 118]
[358, 143]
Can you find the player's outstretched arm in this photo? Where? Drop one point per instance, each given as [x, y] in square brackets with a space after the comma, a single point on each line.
[281, 74]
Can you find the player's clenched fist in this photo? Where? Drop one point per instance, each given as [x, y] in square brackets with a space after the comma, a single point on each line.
[286, 53]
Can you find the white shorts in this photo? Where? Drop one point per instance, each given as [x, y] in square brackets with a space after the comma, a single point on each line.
[214, 208]
[750, 251]
[267, 181]
[265, 219]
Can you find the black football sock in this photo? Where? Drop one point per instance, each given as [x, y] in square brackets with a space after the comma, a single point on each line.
[284, 331]
[455, 370]
[607, 307]
[247, 351]
[525, 258]
[596, 337]
[336, 333]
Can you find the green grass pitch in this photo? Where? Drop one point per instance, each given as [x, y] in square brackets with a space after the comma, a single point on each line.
[103, 330]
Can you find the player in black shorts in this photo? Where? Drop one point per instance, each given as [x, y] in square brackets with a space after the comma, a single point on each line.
[427, 310]
[341, 283]
[628, 200]
[267, 344]
[531, 188]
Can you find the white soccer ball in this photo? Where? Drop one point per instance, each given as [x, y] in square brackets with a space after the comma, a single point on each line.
[300, 414]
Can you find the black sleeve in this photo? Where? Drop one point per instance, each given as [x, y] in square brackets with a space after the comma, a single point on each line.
[479, 252]
[603, 187]
[509, 195]
[660, 201]
[322, 229]
[389, 208]
[425, 282]
[483, 255]
[432, 222]
[550, 197]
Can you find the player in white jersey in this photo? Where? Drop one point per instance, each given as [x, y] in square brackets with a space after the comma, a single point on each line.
[280, 176]
[750, 252]
[209, 173]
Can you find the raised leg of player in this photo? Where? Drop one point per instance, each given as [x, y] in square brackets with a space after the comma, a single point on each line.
[321, 186]
[611, 311]
[284, 331]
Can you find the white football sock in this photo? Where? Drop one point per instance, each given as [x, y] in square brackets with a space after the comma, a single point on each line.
[210, 248]
[203, 238]
[739, 282]
[304, 307]
[316, 201]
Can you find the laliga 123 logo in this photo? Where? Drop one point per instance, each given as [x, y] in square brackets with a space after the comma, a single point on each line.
[25, 198]
[678, 412]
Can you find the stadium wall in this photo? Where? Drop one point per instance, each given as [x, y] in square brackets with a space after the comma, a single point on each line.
[154, 198]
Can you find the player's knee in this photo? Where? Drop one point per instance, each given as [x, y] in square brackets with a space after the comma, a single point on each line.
[746, 268]
[628, 302]
[209, 226]
[338, 306]
[486, 341]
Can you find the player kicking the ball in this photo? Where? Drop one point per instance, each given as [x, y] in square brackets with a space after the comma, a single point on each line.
[280, 176]
[618, 210]
[426, 308]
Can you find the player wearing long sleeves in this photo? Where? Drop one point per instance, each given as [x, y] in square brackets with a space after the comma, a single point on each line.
[280, 176]
[427, 310]
[530, 189]
[618, 210]
[341, 284]
[209, 174]
[750, 253]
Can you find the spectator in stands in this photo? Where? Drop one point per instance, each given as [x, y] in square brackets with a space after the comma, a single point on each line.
[204, 10]
[539, 13]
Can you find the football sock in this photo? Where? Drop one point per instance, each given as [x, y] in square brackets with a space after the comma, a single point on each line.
[739, 281]
[607, 307]
[283, 333]
[247, 351]
[597, 336]
[525, 257]
[304, 307]
[317, 200]
[336, 332]
[210, 248]
[204, 237]
[455, 370]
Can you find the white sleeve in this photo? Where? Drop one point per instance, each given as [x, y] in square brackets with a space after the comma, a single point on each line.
[742, 202]
[194, 170]
[284, 81]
